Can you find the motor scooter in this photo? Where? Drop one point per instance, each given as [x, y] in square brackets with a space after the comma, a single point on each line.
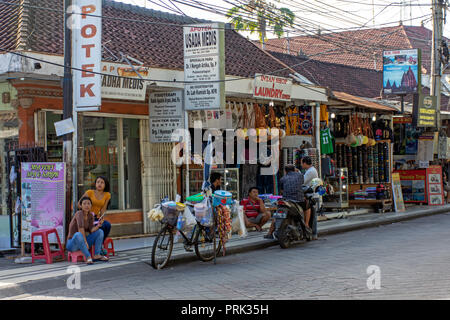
[290, 219]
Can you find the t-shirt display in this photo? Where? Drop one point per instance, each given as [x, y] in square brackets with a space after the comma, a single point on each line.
[326, 143]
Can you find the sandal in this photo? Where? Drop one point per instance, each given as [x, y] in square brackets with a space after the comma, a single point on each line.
[89, 261]
[103, 258]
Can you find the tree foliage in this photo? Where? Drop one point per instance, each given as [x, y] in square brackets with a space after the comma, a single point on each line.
[257, 15]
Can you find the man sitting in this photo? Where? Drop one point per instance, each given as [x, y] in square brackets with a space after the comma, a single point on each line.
[255, 211]
[291, 189]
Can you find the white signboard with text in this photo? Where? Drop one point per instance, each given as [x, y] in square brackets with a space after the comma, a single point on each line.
[122, 82]
[204, 62]
[87, 53]
[272, 88]
[166, 115]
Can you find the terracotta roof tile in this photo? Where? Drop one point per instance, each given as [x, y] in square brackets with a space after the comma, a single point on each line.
[338, 77]
[361, 48]
[9, 16]
[156, 44]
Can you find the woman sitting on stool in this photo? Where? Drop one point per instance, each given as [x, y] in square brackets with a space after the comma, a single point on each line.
[82, 223]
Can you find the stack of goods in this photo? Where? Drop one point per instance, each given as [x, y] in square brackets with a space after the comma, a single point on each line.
[366, 165]
[359, 195]
[371, 193]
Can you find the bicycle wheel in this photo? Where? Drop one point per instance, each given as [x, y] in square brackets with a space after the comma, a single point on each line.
[205, 244]
[162, 248]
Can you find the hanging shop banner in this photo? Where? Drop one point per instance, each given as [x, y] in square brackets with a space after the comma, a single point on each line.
[401, 71]
[397, 190]
[204, 62]
[87, 53]
[424, 111]
[425, 149]
[272, 88]
[434, 186]
[43, 199]
[120, 81]
[166, 115]
[442, 147]
[448, 149]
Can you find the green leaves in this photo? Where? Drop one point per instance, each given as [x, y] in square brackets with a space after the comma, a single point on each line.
[257, 15]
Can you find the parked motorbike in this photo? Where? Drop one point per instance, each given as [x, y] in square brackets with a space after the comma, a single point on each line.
[290, 220]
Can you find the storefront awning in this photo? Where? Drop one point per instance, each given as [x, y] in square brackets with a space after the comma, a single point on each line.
[360, 102]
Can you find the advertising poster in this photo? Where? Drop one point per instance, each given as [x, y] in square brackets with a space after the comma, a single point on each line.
[413, 185]
[87, 54]
[397, 190]
[120, 81]
[424, 111]
[166, 115]
[204, 66]
[401, 71]
[43, 199]
[435, 187]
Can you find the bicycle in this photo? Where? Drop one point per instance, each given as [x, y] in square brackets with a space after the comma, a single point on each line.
[200, 238]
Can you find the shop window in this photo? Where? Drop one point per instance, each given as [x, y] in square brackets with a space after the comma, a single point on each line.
[54, 143]
[131, 164]
[101, 154]
[112, 150]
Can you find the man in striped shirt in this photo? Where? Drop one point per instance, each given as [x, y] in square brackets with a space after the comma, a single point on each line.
[256, 214]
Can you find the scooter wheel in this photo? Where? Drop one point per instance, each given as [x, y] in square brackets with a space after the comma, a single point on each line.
[283, 237]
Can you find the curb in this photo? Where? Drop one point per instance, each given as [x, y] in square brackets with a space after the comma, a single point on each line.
[53, 283]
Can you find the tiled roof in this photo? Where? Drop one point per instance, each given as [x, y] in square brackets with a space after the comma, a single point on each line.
[337, 77]
[360, 48]
[359, 101]
[9, 16]
[158, 43]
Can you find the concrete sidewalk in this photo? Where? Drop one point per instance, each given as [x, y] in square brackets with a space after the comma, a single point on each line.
[18, 278]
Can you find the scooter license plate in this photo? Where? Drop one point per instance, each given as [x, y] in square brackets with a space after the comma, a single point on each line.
[279, 215]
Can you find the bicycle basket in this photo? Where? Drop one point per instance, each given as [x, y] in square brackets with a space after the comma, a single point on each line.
[170, 215]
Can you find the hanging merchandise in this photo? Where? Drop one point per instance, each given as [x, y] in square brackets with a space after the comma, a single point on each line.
[326, 143]
[323, 114]
[251, 115]
[291, 120]
[305, 121]
[223, 224]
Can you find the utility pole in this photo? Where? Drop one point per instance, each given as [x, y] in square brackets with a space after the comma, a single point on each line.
[67, 105]
[435, 89]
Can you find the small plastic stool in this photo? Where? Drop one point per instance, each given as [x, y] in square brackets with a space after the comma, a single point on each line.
[108, 244]
[48, 254]
[75, 256]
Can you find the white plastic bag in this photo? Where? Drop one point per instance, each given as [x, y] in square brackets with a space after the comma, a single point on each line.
[242, 229]
[189, 217]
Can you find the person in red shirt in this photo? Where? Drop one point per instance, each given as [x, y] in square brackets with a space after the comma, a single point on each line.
[256, 214]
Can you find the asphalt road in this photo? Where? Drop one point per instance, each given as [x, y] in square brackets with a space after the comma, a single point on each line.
[406, 260]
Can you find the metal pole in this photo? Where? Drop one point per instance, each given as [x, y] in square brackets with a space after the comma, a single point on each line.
[187, 155]
[317, 126]
[67, 104]
[402, 96]
[435, 89]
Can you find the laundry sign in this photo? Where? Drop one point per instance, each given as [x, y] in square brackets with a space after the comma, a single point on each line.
[272, 87]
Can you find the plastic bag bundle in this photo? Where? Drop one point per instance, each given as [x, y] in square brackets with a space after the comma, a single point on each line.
[242, 228]
[189, 217]
[155, 214]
